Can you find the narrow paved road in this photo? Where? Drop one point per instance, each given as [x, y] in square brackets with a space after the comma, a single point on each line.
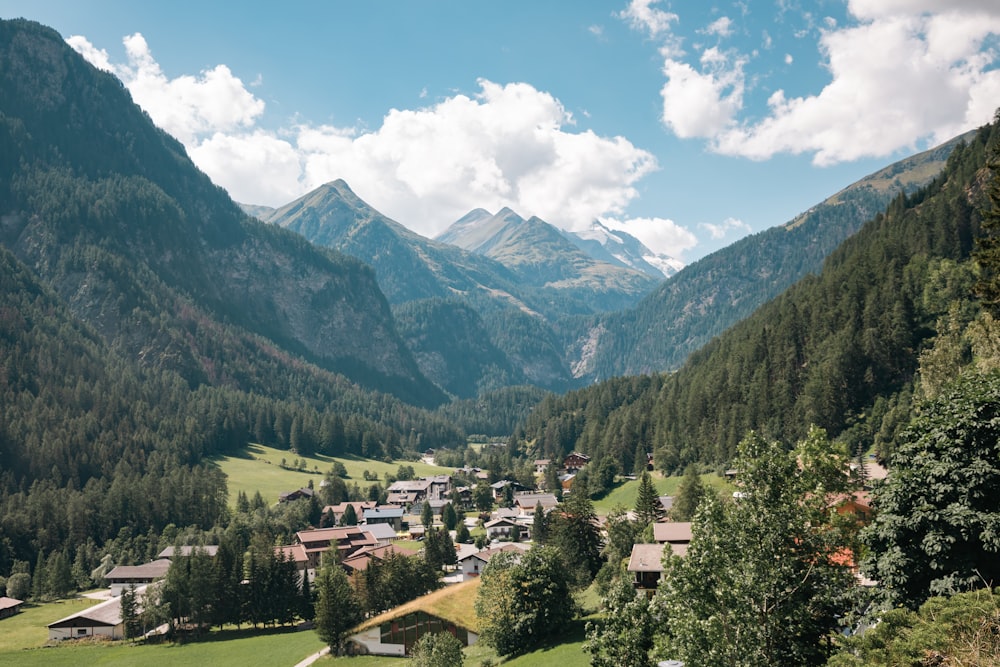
[313, 658]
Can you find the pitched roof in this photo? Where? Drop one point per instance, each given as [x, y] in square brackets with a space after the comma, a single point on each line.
[152, 570]
[646, 558]
[455, 604]
[529, 500]
[672, 531]
[209, 549]
[293, 552]
[380, 531]
[9, 603]
[107, 613]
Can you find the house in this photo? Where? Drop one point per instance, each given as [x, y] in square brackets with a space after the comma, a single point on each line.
[297, 494]
[541, 465]
[208, 550]
[383, 533]
[525, 503]
[666, 503]
[414, 491]
[101, 620]
[124, 576]
[472, 565]
[349, 539]
[395, 632]
[502, 528]
[359, 509]
[575, 462]
[646, 563]
[391, 516]
[9, 606]
[674, 533]
[857, 505]
[499, 488]
[440, 487]
[566, 481]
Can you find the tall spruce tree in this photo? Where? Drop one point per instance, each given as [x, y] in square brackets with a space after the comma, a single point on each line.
[337, 606]
[647, 502]
[689, 495]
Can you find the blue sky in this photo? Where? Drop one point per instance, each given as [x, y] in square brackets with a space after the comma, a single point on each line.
[689, 124]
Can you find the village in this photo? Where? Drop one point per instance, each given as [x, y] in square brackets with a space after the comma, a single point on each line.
[359, 535]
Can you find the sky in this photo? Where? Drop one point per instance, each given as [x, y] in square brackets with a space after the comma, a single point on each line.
[689, 124]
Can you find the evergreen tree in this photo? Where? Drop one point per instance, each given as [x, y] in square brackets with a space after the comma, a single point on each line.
[576, 535]
[647, 503]
[131, 623]
[449, 517]
[307, 605]
[987, 252]
[349, 517]
[540, 525]
[337, 606]
[689, 495]
[462, 534]
[427, 515]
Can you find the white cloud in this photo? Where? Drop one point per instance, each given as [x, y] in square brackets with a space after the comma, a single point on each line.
[725, 228]
[902, 74]
[509, 145]
[722, 27]
[642, 15]
[660, 235]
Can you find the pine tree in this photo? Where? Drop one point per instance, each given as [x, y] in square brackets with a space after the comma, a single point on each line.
[349, 517]
[987, 252]
[131, 624]
[427, 515]
[689, 495]
[647, 503]
[337, 606]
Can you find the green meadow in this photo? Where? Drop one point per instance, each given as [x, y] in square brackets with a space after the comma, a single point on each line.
[258, 468]
[625, 493]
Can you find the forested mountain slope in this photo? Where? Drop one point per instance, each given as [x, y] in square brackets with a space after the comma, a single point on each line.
[146, 323]
[109, 211]
[710, 295]
[838, 349]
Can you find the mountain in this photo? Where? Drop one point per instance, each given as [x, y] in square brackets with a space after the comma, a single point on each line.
[623, 249]
[541, 256]
[840, 349]
[109, 212]
[711, 295]
[527, 279]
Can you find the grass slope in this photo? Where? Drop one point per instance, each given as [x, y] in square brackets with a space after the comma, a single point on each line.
[258, 468]
[624, 494]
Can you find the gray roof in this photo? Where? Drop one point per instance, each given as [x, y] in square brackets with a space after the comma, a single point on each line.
[106, 613]
[384, 513]
[646, 558]
[672, 531]
[380, 531]
[169, 552]
[154, 570]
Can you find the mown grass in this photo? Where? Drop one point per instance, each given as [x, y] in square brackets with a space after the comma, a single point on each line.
[258, 468]
[229, 647]
[29, 629]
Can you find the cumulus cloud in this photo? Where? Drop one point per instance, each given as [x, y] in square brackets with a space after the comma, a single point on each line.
[660, 235]
[507, 145]
[726, 228]
[902, 73]
[643, 15]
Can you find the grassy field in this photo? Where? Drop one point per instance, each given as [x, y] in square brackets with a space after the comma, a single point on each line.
[625, 493]
[258, 468]
[29, 628]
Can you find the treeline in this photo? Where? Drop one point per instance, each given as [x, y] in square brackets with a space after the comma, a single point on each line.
[839, 350]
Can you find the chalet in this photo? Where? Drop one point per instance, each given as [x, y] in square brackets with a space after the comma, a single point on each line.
[317, 542]
[575, 462]
[674, 533]
[171, 552]
[9, 606]
[415, 490]
[857, 505]
[463, 495]
[502, 528]
[525, 503]
[124, 576]
[566, 481]
[392, 516]
[541, 465]
[365, 557]
[383, 533]
[437, 506]
[472, 565]
[403, 499]
[646, 565]
[359, 509]
[499, 488]
[440, 487]
[298, 494]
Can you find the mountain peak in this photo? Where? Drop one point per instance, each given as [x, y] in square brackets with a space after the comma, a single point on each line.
[622, 249]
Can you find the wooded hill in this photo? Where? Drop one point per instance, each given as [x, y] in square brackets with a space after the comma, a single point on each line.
[838, 350]
[146, 322]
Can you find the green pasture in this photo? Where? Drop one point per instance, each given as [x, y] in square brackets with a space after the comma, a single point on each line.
[625, 493]
[258, 468]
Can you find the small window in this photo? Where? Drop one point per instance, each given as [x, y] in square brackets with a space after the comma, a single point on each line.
[81, 631]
